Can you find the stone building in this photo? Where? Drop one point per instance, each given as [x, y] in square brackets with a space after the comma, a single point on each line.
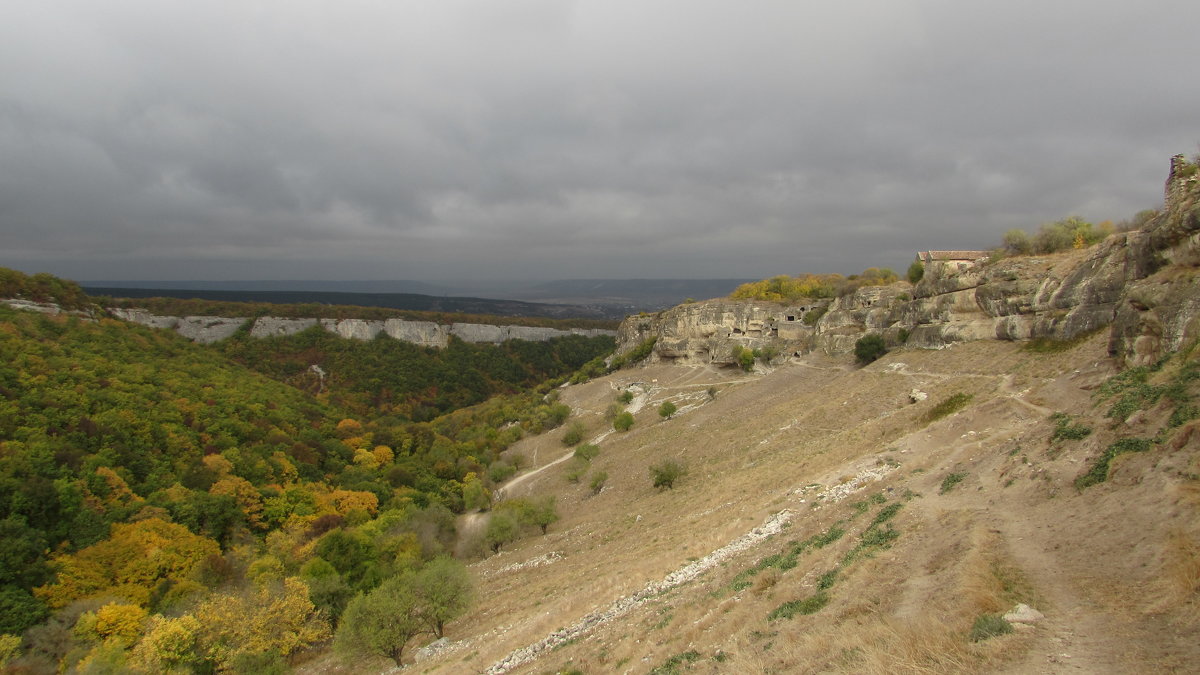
[950, 260]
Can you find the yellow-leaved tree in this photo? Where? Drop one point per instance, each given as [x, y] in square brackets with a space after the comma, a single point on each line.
[129, 564]
[277, 618]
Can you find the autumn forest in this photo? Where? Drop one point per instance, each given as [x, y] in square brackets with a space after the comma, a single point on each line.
[173, 507]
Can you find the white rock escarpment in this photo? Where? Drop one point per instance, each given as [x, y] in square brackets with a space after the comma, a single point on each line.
[209, 329]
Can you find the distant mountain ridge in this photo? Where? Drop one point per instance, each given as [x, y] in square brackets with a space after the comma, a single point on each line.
[408, 301]
[608, 298]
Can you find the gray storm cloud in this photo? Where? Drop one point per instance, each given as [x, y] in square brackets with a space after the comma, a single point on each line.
[545, 138]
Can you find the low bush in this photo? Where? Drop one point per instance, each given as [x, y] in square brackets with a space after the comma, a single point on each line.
[744, 357]
[574, 434]
[1098, 473]
[636, 355]
[664, 474]
[916, 272]
[623, 421]
[989, 626]
[869, 348]
[598, 480]
[667, 410]
[812, 316]
[672, 665]
[948, 406]
[810, 605]
[1065, 430]
[576, 469]
[500, 471]
[950, 481]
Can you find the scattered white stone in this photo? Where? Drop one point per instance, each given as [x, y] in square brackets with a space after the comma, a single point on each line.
[690, 572]
[544, 559]
[431, 650]
[916, 396]
[1023, 613]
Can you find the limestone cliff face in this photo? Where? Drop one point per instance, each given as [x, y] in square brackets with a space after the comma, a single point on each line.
[1142, 285]
[708, 332]
[208, 329]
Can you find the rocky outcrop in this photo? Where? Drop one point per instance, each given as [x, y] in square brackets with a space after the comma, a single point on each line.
[709, 332]
[1142, 285]
[208, 329]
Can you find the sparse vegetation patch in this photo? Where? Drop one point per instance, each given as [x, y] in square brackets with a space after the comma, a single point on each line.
[989, 626]
[1064, 429]
[664, 474]
[1043, 345]
[950, 481]
[948, 406]
[672, 666]
[810, 605]
[1099, 471]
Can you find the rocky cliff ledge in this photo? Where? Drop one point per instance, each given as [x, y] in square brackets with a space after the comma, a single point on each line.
[1142, 286]
[207, 329]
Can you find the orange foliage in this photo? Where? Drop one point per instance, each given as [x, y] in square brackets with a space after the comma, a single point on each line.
[246, 495]
[128, 564]
[343, 502]
[348, 427]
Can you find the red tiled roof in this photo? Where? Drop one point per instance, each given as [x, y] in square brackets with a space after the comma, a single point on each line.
[953, 255]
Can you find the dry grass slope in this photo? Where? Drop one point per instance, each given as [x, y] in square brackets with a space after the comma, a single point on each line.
[782, 461]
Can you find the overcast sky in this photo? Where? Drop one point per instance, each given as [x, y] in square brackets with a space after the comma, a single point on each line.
[390, 139]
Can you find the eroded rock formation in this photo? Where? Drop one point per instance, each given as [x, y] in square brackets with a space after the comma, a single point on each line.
[1142, 286]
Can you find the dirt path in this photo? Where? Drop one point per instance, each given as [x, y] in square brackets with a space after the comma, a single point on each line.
[1076, 635]
[511, 485]
[470, 529]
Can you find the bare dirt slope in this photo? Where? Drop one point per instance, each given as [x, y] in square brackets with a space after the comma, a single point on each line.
[827, 524]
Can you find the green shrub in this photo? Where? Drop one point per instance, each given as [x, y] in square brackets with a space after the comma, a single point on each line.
[950, 481]
[810, 605]
[598, 480]
[671, 666]
[885, 514]
[916, 272]
[635, 355]
[1064, 430]
[626, 397]
[576, 469]
[665, 473]
[744, 357]
[589, 370]
[587, 451]
[827, 537]
[869, 348]
[871, 540]
[1098, 473]
[1134, 398]
[826, 580]
[812, 316]
[1045, 345]
[500, 471]
[1016, 242]
[667, 410]
[623, 421]
[989, 626]
[948, 406]
[574, 434]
